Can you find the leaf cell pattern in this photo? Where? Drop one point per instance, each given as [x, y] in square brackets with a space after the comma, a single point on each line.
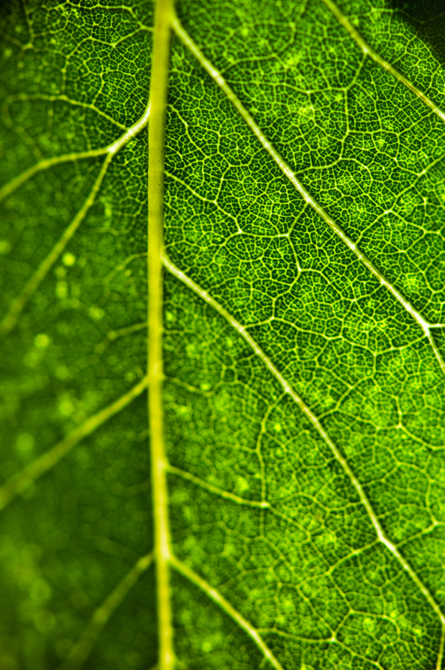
[303, 344]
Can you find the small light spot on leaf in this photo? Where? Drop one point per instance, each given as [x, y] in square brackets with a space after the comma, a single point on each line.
[61, 289]
[5, 246]
[96, 313]
[24, 444]
[41, 341]
[68, 259]
[66, 407]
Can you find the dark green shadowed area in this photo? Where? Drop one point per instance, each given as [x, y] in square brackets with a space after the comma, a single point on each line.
[428, 20]
[78, 344]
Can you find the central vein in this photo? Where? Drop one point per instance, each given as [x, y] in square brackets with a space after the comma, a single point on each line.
[156, 134]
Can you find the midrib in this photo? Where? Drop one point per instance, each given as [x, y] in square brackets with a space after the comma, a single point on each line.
[156, 134]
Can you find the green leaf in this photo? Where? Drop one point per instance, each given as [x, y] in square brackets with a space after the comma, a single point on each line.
[303, 338]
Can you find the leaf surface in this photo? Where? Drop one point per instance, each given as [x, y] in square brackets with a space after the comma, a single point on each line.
[303, 342]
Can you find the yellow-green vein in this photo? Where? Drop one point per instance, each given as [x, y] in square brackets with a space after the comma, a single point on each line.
[83, 647]
[17, 305]
[368, 51]
[215, 489]
[23, 479]
[219, 599]
[48, 163]
[156, 135]
[15, 309]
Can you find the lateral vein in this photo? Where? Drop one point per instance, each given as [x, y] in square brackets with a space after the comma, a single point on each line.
[18, 304]
[242, 331]
[22, 480]
[47, 163]
[215, 489]
[83, 647]
[441, 648]
[23, 97]
[219, 599]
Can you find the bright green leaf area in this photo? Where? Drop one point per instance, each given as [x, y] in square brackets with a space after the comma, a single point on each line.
[304, 338]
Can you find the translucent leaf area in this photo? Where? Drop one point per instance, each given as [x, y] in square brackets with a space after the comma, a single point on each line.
[304, 341]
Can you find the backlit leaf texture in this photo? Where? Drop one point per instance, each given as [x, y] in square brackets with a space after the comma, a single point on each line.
[304, 338]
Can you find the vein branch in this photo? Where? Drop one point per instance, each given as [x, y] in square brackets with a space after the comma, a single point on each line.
[82, 649]
[242, 331]
[215, 489]
[224, 604]
[441, 648]
[17, 305]
[24, 97]
[19, 482]
[48, 163]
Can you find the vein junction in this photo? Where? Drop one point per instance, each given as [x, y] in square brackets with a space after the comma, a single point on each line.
[227, 607]
[10, 319]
